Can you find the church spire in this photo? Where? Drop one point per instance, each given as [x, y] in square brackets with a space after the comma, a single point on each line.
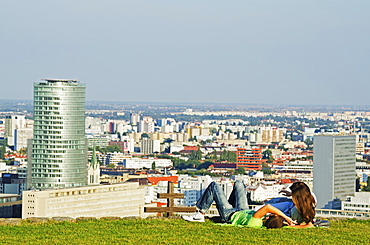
[94, 161]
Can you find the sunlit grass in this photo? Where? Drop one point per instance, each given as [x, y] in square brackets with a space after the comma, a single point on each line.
[176, 231]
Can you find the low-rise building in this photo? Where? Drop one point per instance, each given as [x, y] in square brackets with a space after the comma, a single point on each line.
[359, 203]
[120, 200]
[262, 192]
[97, 140]
[12, 184]
[10, 206]
[112, 158]
[138, 163]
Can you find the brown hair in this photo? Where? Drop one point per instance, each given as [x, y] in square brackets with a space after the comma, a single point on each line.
[274, 221]
[304, 201]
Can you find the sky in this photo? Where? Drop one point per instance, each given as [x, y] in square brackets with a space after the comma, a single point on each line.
[291, 52]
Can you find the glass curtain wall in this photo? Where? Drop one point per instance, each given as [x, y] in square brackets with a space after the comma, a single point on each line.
[59, 146]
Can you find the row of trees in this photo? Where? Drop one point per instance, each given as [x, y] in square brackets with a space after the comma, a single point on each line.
[228, 156]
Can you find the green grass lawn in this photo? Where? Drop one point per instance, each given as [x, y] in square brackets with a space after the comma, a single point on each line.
[177, 231]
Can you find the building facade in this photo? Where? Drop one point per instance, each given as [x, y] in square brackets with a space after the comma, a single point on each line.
[358, 203]
[113, 158]
[271, 134]
[249, 159]
[59, 149]
[334, 168]
[12, 123]
[10, 206]
[120, 200]
[12, 184]
[148, 146]
[138, 163]
[21, 136]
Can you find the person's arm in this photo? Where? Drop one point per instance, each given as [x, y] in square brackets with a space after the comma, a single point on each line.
[285, 193]
[271, 209]
[302, 226]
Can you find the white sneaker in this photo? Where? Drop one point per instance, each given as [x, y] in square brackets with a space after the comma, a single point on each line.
[196, 217]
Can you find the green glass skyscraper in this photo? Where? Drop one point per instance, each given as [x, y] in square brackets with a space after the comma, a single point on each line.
[58, 152]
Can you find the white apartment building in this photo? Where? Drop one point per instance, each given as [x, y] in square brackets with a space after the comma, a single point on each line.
[134, 118]
[113, 158]
[129, 144]
[94, 126]
[138, 163]
[360, 202]
[124, 128]
[334, 168]
[167, 129]
[149, 146]
[12, 123]
[146, 125]
[119, 200]
[97, 140]
[262, 192]
[296, 166]
[21, 136]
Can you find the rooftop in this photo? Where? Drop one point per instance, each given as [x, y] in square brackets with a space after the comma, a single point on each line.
[59, 80]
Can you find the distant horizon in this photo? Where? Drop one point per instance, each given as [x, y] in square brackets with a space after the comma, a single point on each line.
[199, 103]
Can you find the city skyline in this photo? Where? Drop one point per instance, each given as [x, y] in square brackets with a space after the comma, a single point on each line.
[286, 52]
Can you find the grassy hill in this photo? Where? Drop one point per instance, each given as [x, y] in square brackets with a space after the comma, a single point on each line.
[177, 231]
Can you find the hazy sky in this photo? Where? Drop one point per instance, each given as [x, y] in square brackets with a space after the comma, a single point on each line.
[265, 52]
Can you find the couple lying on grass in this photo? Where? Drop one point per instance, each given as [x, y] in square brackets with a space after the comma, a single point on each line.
[236, 210]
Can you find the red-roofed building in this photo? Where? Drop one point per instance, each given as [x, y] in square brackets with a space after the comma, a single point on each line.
[288, 181]
[155, 180]
[279, 162]
[191, 148]
[14, 155]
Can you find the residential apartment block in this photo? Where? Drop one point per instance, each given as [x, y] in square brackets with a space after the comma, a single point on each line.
[249, 159]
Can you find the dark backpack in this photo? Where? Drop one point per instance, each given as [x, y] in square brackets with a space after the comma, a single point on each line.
[322, 223]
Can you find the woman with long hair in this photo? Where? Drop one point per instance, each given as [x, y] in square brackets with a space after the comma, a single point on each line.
[304, 202]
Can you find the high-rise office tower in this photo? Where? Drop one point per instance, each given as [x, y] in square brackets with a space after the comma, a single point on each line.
[334, 168]
[59, 149]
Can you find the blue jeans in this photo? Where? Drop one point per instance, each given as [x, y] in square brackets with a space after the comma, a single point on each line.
[237, 200]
